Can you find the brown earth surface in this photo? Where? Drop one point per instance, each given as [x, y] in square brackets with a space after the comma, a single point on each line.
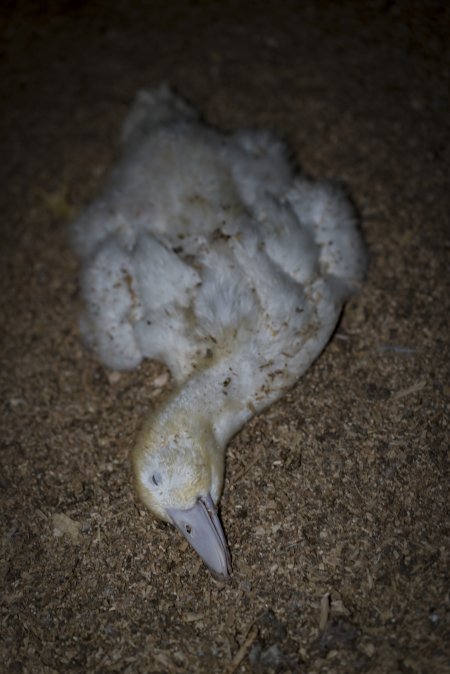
[336, 499]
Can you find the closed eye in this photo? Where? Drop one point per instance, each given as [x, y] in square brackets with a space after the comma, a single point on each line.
[156, 478]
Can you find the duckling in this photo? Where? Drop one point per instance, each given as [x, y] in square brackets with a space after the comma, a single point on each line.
[207, 252]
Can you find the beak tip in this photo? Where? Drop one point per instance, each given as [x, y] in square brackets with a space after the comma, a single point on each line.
[201, 526]
[221, 577]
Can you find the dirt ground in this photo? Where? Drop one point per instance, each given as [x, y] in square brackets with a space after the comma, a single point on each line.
[336, 500]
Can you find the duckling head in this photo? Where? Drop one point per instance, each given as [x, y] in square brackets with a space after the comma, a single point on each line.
[178, 467]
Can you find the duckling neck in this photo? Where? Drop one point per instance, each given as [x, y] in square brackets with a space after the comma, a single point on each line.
[220, 393]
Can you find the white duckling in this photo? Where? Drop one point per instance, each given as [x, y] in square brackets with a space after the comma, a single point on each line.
[206, 252]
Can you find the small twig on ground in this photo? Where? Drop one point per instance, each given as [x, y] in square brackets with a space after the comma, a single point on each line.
[242, 652]
[245, 470]
[415, 388]
[324, 611]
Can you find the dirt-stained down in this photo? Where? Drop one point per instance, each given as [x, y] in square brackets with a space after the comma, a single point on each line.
[336, 499]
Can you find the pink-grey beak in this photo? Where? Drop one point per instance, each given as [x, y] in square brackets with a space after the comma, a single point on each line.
[201, 526]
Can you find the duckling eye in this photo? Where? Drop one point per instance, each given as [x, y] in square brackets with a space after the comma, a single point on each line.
[156, 478]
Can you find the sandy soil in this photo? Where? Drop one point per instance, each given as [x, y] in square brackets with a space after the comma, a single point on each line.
[340, 488]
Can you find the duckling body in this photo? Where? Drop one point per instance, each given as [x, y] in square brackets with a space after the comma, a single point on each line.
[208, 253]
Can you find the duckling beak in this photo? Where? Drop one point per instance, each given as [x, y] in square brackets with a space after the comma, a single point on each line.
[201, 526]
